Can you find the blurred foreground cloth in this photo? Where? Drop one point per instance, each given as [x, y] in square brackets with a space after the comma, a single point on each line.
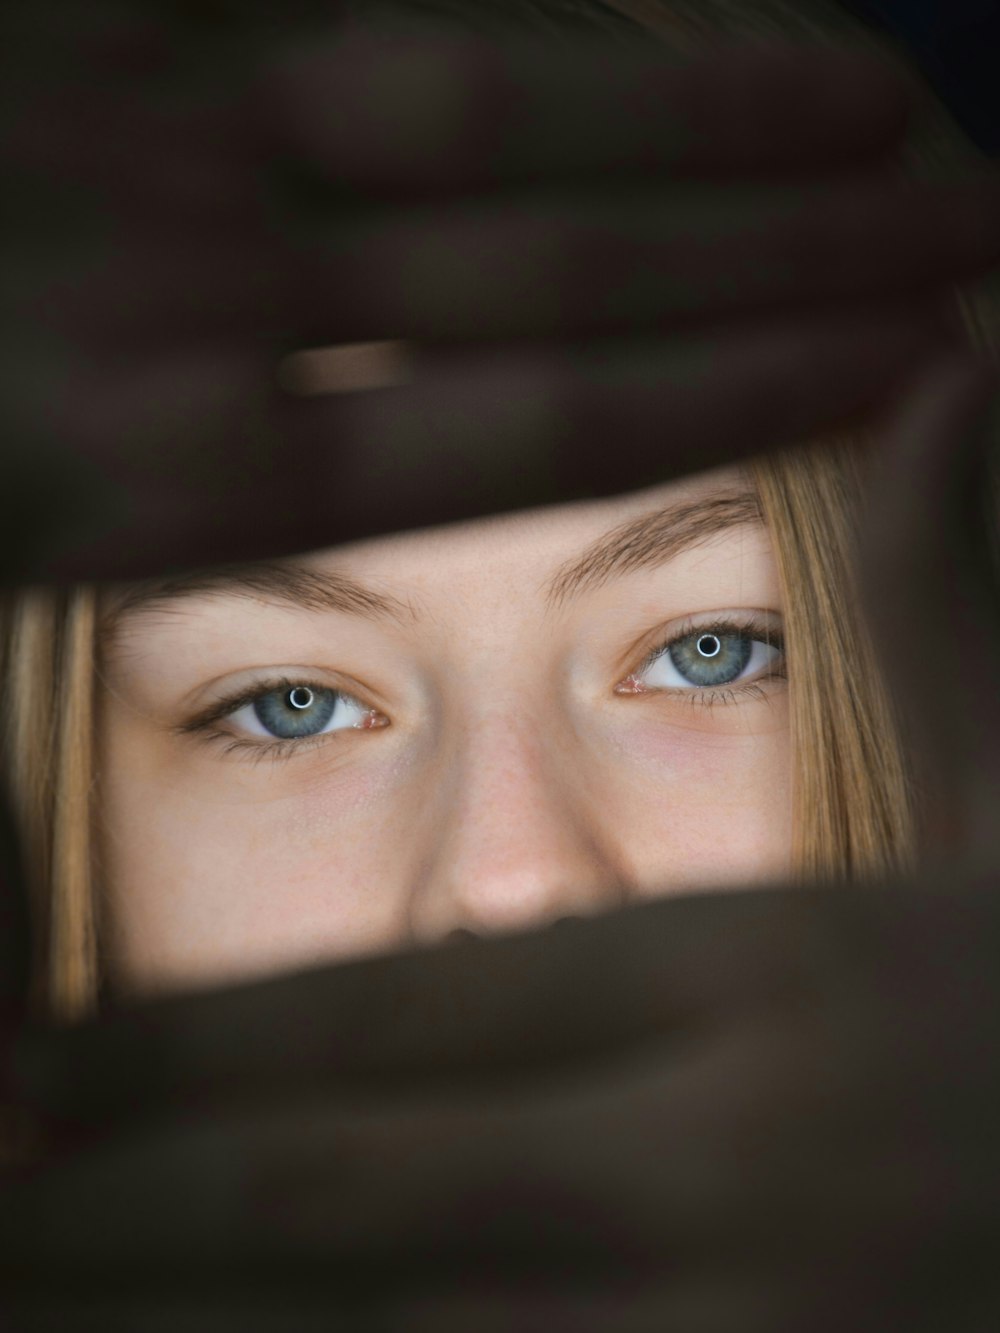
[740, 1111]
[956, 43]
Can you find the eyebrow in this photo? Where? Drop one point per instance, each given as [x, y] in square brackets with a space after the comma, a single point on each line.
[653, 539]
[648, 541]
[282, 582]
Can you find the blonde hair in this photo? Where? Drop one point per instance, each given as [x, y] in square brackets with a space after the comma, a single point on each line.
[48, 642]
[853, 803]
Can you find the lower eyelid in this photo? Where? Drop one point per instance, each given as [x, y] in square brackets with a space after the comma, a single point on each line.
[279, 747]
[708, 696]
[261, 750]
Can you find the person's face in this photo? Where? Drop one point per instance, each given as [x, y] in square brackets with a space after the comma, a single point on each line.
[473, 728]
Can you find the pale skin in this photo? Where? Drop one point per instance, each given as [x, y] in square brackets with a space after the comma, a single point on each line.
[496, 756]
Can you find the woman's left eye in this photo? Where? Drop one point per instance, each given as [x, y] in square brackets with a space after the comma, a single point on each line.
[710, 658]
[294, 711]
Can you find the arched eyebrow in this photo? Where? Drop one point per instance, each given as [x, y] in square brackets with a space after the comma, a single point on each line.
[281, 582]
[651, 540]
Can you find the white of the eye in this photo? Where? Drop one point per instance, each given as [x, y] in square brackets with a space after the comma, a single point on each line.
[347, 712]
[662, 674]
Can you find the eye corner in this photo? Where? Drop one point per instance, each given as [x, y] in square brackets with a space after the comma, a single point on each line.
[632, 684]
[372, 721]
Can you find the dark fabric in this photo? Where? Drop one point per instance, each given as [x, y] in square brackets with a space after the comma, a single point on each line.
[15, 944]
[749, 1112]
[956, 43]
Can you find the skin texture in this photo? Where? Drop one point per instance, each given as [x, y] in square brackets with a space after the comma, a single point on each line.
[509, 785]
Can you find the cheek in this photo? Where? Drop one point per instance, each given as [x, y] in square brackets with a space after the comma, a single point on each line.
[696, 809]
[217, 888]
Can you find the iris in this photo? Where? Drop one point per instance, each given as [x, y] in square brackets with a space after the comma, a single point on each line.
[710, 658]
[303, 710]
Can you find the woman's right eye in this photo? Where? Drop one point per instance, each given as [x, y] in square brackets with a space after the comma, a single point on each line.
[711, 658]
[293, 711]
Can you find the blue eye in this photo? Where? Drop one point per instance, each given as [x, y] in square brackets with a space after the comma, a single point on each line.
[710, 658]
[293, 711]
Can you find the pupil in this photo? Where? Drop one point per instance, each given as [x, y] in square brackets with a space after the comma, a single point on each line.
[709, 645]
[300, 697]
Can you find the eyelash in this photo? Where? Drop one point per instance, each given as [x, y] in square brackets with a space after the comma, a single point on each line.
[752, 625]
[258, 751]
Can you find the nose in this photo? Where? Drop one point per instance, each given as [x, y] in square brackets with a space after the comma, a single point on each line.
[517, 841]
